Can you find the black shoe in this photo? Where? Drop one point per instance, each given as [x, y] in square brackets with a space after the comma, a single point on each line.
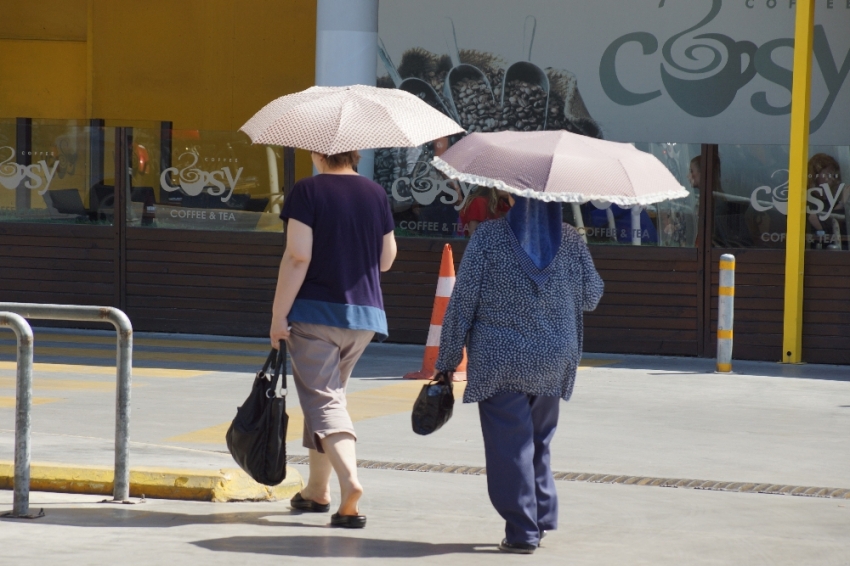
[516, 547]
[348, 521]
[302, 504]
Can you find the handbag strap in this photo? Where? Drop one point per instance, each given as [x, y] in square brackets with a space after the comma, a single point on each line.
[279, 368]
[443, 377]
[269, 361]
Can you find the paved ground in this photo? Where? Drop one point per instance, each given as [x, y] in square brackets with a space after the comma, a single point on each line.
[630, 416]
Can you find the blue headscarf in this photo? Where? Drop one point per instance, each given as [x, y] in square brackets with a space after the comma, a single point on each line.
[538, 227]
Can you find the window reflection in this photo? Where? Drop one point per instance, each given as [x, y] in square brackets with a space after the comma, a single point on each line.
[751, 197]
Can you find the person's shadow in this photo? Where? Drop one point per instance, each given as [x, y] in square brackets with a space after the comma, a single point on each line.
[326, 543]
[339, 547]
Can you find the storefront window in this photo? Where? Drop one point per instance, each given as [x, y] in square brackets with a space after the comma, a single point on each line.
[46, 173]
[667, 224]
[751, 197]
[208, 180]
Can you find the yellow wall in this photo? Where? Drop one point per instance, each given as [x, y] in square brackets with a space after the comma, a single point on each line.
[202, 64]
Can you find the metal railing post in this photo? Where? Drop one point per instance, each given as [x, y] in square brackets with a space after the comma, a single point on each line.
[23, 406]
[725, 313]
[124, 373]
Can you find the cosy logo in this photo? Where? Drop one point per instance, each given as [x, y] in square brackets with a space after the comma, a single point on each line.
[37, 176]
[778, 196]
[709, 90]
[423, 188]
[193, 180]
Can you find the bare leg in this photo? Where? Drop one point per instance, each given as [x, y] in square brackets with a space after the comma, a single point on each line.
[339, 449]
[318, 484]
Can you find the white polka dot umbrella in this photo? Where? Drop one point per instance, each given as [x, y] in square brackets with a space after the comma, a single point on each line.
[559, 166]
[332, 120]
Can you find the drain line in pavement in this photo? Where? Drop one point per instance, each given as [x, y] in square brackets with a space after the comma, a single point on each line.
[737, 487]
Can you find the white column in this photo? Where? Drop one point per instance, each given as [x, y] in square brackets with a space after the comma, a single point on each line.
[347, 50]
[725, 313]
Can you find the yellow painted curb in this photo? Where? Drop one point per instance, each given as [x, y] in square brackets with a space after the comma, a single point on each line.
[229, 484]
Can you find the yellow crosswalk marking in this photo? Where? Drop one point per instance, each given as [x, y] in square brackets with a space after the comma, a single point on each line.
[9, 402]
[137, 355]
[155, 342]
[63, 384]
[362, 405]
[106, 370]
[592, 363]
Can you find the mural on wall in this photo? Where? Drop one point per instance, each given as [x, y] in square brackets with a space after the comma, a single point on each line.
[666, 75]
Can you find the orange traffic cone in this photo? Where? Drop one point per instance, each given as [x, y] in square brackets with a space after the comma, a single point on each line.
[445, 284]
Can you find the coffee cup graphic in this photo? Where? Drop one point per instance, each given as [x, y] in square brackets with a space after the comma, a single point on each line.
[711, 95]
[11, 174]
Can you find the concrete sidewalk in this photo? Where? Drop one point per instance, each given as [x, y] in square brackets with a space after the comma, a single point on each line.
[631, 417]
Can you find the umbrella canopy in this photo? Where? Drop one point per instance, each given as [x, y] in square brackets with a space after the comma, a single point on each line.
[331, 120]
[558, 166]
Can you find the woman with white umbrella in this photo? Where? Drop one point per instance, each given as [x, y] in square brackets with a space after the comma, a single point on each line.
[328, 304]
[518, 300]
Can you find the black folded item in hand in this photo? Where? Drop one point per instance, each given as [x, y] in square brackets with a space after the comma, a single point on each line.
[433, 406]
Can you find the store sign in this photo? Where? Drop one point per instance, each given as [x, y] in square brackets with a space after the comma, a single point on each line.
[695, 71]
[36, 177]
[193, 180]
[821, 200]
[423, 187]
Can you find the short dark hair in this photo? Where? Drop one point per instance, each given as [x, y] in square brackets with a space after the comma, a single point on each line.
[345, 159]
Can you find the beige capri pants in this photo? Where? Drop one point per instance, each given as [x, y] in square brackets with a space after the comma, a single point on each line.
[323, 358]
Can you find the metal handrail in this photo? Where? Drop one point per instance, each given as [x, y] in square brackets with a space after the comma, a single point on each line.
[124, 368]
[23, 407]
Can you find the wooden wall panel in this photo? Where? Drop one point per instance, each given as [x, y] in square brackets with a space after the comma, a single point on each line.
[650, 302]
[826, 307]
[67, 264]
[649, 306]
[759, 298]
[409, 287]
[201, 282]
[223, 283]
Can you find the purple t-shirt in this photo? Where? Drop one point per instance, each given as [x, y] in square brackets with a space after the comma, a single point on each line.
[349, 215]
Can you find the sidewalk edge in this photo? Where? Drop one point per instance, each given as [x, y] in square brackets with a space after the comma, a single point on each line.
[229, 484]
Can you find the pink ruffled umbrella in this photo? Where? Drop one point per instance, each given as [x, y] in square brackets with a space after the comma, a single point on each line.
[558, 166]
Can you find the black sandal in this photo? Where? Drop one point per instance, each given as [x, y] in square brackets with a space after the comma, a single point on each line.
[302, 504]
[348, 521]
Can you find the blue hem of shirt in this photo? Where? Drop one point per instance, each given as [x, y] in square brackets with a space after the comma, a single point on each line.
[354, 317]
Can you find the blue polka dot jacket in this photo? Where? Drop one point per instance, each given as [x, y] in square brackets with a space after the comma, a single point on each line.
[523, 333]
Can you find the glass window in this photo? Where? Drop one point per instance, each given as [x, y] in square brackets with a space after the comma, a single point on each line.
[668, 224]
[206, 180]
[48, 178]
[751, 197]
[424, 202]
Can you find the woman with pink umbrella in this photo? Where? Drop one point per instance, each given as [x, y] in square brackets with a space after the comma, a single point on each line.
[517, 304]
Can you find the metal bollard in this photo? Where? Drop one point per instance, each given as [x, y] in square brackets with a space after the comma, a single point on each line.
[23, 406]
[726, 313]
[124, 369]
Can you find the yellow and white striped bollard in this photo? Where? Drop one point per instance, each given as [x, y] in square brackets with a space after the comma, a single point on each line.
[726, 313]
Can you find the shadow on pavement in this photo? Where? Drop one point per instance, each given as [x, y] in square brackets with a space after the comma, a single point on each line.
[339, 547]
[108, 515]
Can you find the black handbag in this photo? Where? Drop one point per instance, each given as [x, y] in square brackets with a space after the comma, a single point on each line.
[257, 436]
[433, 406]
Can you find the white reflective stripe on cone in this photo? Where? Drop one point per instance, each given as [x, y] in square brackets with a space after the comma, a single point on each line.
[434, 335]
[445, 286]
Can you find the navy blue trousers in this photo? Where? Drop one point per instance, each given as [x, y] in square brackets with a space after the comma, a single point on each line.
[517, 431]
